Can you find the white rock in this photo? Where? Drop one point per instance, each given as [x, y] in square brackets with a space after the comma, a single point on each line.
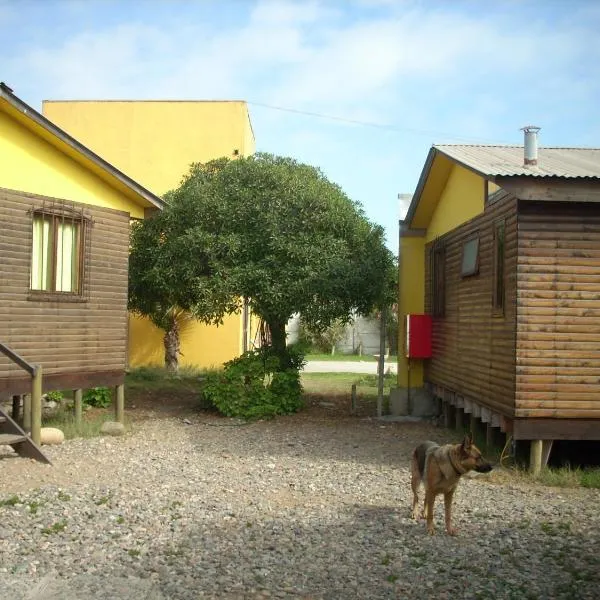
[51, 436]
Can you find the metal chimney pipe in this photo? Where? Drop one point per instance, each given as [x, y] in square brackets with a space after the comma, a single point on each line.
[530, 144]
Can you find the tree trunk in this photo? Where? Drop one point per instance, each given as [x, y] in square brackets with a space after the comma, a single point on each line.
[171, 343]
[278, 338]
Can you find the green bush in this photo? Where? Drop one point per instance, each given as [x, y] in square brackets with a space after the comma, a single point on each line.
[256, 385]
[55, 396]
[99, 397]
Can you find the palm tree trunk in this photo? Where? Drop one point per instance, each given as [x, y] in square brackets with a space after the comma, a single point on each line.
[172, 343]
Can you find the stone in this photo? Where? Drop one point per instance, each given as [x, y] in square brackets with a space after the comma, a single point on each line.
[51, 436]
[112, 428]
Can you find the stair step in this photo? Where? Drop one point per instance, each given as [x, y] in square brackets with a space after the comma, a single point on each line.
[8, 439]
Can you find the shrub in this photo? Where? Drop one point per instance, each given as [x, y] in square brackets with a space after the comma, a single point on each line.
[54, 396]
[256, 385]
[99, 397]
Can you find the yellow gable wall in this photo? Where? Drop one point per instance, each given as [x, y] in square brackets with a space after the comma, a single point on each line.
[461, 200]
[31, 164]
[154, 142]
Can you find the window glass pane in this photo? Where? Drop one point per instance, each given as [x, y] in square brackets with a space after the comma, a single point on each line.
[42, 255]
[470, 259]
[67, 256]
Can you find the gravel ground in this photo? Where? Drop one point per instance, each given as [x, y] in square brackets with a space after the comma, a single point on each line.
[312, 506]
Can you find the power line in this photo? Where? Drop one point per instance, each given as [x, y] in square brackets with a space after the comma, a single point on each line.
[375, 125]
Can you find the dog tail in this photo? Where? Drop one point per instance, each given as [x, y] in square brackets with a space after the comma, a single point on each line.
[420, 454]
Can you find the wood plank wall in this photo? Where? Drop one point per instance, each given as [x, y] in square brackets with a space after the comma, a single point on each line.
[473, 346]
[70, 338]
[558, 297]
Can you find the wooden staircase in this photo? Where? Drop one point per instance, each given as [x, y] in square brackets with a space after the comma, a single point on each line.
[12, 435]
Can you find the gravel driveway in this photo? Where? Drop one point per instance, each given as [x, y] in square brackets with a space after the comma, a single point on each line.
[311, 506]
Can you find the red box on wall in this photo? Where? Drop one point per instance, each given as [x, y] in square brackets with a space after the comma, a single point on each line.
[418, 336]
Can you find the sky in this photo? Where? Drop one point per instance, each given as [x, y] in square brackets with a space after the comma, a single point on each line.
[359, 88]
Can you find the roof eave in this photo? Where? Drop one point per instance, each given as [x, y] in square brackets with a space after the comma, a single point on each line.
[414, 203]
[64, 137]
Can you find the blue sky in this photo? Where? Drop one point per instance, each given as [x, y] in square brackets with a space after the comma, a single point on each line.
[398, 75]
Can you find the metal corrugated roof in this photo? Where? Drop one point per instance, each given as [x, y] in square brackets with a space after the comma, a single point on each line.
[508, 161]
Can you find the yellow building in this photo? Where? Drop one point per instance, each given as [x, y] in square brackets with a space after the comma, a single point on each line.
[155, 142]
[64, 215]
[448, 194]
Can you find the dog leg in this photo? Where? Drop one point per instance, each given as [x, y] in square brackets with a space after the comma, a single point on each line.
[448, 497]
[429, 502]
[414, 483]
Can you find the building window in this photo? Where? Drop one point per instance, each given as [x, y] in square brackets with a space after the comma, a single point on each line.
[470, 257]
[499, 276]
[58, 252]
[438, 280]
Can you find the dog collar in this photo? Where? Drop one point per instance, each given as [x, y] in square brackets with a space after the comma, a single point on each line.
[458, 471]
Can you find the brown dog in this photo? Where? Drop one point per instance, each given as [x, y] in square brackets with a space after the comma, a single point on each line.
[440, 468]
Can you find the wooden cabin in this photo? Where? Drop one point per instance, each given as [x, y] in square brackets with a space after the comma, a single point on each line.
[64, 216]
[504, 252]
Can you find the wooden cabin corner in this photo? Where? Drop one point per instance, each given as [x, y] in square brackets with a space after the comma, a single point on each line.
[513, 291]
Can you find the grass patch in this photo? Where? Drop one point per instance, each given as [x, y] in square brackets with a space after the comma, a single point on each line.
[568, 477]
[563, 477]
[348, 357]
[341, 383]
[55, 528]
[340, 357]
[149, 377]
[91, 422]
[11, 501]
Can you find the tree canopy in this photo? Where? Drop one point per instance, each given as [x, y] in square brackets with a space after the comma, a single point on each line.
[268, 229]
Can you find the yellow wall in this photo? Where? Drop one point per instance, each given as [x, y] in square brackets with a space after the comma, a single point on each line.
[461, 199]
[411, 300]
[31, 164]
[201, 345]
[154, 142]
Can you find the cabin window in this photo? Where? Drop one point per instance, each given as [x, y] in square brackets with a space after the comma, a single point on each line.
[57, 253]
[438, 281]
[470, 257]
[499, 276]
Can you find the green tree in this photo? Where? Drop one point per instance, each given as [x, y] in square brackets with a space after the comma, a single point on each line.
[278, 233]
[165, 284]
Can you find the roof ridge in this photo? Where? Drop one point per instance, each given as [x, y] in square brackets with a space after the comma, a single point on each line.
[515, 146]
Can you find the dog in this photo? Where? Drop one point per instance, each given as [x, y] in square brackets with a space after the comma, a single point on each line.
[440, 468]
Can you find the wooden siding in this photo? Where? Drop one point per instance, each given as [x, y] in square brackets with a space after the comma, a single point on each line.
[558, 322]
[474, 347]
[68, 338]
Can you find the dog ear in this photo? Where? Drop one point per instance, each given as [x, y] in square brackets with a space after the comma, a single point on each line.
[467, 442]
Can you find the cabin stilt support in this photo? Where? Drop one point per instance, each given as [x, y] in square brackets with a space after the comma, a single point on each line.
[535, 457]
[120, 403]
[78, 396]
[459, 421]
[489, 436]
